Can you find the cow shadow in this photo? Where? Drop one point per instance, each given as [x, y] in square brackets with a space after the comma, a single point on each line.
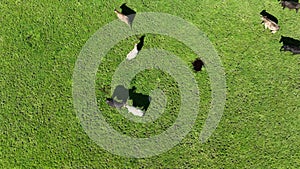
[121, 94]
[126, 10]
[141, 43]
[139, 99]
[269, 16]
[130, 13]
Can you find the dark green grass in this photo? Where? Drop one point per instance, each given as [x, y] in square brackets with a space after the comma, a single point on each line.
[40, 42]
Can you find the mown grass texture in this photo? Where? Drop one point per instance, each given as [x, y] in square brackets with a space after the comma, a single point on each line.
[39, 44]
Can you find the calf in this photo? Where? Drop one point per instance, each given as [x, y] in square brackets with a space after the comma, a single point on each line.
[127, 15]
[198, 64]
[136, 49]
[270, 24]
[290, 5]
[122, 17]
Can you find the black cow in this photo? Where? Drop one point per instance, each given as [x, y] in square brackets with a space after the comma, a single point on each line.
[289, 41]
[198, 64]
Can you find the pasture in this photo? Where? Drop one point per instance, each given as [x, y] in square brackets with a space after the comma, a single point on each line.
[41, 40]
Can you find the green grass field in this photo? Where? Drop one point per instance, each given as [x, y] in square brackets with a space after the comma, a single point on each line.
[41, 40]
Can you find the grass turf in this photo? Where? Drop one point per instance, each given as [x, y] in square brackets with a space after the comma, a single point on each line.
[39, 44]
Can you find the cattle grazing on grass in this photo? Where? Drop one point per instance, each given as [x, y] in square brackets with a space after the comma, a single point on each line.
[133, 53]
[122, 17]
[293, 49]
[198, 64]
[290, 5]
[136, 49]
[270, 24]
[126, 15]
[140, 102]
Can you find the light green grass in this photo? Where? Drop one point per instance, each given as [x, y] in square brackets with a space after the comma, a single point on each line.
[40, 42]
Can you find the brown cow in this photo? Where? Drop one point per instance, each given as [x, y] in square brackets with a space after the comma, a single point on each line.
[270, 24]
